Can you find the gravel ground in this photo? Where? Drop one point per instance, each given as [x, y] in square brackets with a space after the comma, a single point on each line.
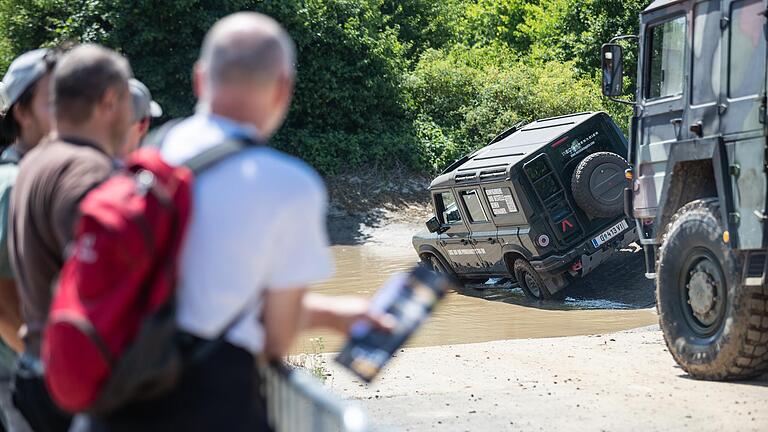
[623, 381]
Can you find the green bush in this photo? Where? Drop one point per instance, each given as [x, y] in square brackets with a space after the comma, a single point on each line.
[465, 97]
[380, 83]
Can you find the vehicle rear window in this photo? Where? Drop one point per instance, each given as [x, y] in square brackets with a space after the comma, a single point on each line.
[475, 209]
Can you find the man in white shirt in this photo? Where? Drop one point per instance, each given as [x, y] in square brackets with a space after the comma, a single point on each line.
[257, 237]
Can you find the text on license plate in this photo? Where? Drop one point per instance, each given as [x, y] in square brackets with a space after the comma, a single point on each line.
[610, 233]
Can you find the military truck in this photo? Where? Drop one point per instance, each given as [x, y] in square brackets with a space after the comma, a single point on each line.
[542, 204]
[697, 182]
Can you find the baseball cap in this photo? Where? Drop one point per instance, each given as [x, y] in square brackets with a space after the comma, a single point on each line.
[143, 105]
[23, 72]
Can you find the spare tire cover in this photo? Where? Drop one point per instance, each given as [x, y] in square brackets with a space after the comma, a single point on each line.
[598, 184]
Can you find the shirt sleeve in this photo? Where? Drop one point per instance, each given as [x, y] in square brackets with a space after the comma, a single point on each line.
[79, 178]
[301, 253]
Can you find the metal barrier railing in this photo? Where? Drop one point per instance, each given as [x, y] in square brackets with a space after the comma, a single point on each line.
[297, 402]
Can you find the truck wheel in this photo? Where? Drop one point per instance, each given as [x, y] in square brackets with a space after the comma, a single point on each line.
[715, 327]
[529, 280]
[598, 184]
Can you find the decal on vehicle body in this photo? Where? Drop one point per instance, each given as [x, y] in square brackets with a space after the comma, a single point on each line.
[459, 252]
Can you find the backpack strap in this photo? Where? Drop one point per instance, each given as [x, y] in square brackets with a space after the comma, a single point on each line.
[216, 154]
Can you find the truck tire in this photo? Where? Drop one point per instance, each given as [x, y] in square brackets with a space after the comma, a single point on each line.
[715, 327]
[529, 280]
[598, 184]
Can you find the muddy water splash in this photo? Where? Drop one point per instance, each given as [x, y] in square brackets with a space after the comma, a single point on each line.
[616, 297]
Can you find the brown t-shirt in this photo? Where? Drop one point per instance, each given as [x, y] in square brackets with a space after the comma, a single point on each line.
[53, 178]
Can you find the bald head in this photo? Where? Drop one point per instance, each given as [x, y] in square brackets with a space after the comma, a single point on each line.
[246, 71]
[246, 46]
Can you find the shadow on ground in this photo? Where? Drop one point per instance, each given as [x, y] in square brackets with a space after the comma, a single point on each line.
[619, 283]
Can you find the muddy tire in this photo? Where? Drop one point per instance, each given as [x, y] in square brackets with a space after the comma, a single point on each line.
[715, 327]
[598, 184]
[529, 280]
[437, 265]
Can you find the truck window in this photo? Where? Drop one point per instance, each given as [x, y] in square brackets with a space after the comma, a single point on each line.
[747, 48]
[474, 208]
[666, 58]
[706, 56]
[447, 210]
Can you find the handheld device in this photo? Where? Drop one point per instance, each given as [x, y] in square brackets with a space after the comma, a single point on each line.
[410, 298]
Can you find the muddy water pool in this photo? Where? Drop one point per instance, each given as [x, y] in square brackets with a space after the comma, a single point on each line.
[615, 297]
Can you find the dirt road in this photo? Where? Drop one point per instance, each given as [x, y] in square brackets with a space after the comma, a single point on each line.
[623, 381]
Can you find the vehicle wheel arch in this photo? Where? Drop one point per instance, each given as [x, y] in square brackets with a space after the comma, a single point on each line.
[512, 254]
[688, 181]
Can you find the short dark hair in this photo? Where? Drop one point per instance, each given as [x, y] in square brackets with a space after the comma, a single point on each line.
[10, 129]
[81, 78]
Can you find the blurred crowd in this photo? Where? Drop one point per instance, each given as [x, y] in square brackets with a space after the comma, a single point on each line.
[256, 237]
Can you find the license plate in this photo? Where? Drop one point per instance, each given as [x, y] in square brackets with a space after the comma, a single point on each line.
[610, 233]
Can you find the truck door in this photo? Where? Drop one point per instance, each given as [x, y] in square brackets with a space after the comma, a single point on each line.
[483, 231]
[661, 101]
[456, 241]
[742, 107]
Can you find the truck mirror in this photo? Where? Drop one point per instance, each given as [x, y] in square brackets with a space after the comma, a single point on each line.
[613, 73]
[433, 225]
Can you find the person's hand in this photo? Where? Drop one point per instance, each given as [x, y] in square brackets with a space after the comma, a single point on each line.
[340, 312]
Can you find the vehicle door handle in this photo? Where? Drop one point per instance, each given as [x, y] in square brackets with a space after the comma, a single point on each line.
[697, 129]
[676, 121]
[464, 242]
[443, 243]
[491, 240]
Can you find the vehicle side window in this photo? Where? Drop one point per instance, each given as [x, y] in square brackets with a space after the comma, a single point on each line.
[502, 201]
[747, 48]
[474, 208]
[665, 68]
[447, 209]
[705, 77]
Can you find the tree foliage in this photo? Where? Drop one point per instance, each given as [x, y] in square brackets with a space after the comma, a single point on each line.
[379, 82]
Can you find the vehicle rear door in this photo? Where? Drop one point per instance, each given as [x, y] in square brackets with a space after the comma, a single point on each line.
[483, 232]
[455, 241]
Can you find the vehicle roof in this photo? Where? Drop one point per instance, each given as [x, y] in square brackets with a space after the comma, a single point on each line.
[659, 4]
[496, 159]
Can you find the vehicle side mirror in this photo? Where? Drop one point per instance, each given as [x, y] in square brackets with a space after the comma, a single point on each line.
[434, 225]
[613, 71]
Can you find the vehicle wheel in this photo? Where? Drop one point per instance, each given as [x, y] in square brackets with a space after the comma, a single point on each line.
[436, 264]
[598, 184]
[715, 327]
[530, 281]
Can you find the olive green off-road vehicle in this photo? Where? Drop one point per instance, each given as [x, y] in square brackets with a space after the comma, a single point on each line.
[542, 204]
[698, 190]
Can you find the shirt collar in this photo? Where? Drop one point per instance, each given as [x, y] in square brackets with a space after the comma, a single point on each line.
[230, 127]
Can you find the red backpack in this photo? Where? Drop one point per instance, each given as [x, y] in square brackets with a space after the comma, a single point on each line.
[111, 332]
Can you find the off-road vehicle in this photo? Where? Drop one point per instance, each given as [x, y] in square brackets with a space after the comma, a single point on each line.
[698, 177]
[542, 204]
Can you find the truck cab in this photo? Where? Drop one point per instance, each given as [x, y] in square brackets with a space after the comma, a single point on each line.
[697, 183]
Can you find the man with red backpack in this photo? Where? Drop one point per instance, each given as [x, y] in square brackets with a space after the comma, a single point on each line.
[256, 238]
[92, 112]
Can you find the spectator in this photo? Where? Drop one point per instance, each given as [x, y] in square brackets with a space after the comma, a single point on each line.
[24, 120]
[144, 110]
[91, 113]
[256, 239]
